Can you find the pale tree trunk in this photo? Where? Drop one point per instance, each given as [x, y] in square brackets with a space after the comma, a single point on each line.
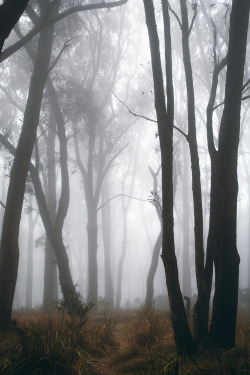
[29, 278]
[125, 208]
[123, 253]
[107, 243]
[158, 243]
[92, 254]
[50, 274]
[152, 271]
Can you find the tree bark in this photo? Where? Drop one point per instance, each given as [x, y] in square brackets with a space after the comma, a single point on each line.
[9, 250]
[186, 273]
[165, 118]
[226, 257]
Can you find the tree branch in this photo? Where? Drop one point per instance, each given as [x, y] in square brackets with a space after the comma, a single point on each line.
[45, 22]
[65, 46]
[145, 117]
[175, 14]
[121, 195]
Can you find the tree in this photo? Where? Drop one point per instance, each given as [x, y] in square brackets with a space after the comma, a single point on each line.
[224, 188]
[223, 204]
[165, 120]
[10, 12]
[9, 250]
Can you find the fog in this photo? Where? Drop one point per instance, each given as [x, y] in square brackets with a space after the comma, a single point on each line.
[100, 68]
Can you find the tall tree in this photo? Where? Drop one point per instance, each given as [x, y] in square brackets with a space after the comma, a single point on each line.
[225, 179]
[10, 12]
[165, 120]
[9, 249]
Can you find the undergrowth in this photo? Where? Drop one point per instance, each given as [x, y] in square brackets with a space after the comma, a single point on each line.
[139, 342]
[59, 344]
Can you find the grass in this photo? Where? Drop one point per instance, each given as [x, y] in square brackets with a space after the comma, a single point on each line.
[125, 342]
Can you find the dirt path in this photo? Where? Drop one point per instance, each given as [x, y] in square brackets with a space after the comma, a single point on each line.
[106, 364]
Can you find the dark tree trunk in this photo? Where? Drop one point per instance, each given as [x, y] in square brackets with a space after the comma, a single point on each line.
[200, 323]
[186, 274]
[9, 250]
[226, 257]
[10, 12]
[165, 118]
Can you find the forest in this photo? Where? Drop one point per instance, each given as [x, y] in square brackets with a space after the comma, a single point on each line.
[124, 187]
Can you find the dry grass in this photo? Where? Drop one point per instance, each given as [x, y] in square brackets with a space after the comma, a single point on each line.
[125, 342]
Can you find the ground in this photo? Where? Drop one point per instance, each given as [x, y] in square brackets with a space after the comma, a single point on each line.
[113, 342]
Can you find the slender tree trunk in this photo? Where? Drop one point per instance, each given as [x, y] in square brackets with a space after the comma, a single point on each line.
[165, 118]
[226, 257]
[29, 279]
[49, 296]
[186, 274]
[92, 254]
[106, 233]
[9, 249]
[158, 243]
[152, 271]
[123, 254]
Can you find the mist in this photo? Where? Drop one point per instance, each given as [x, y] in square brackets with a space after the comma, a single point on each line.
[80, 131]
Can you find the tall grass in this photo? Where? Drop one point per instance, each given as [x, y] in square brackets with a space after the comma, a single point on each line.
[139, 342]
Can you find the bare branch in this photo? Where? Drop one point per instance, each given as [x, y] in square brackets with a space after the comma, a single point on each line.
[3, 205]
[244, 87]
[65, 46]
[194, 6]
[145, 117]
[121, 195]
[175, 14]
[45, 22]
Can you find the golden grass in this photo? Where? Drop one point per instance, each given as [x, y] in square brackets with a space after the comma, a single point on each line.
[119, 342]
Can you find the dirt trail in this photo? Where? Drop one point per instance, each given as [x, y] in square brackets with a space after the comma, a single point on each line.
[106, 365]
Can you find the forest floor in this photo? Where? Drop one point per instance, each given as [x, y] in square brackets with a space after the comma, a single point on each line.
[113, 342]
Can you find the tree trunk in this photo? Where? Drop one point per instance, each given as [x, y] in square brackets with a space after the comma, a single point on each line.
[50, 261]
[226, 257]
[123, 254]
[92, 255]
[106, 233]
[158, 243]
[152, 271]
[186, 274]
[165, 118]
[9, 250]
[29, 279]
